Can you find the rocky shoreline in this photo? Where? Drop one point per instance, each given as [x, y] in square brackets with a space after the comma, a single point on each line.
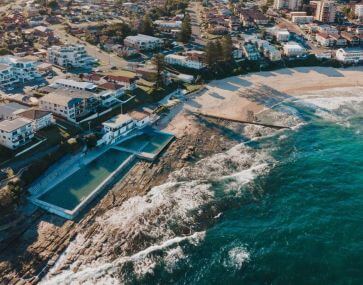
[29, 257]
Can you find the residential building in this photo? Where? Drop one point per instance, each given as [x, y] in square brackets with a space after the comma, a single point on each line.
[293, 49]
[287, 4]
[352, 40]
[325, 10]
[70, 56]
[15, 133]
[143, 42]
[117, 127]
[251, 52]
[349, 55]
[17, 69]
[325, 39]
[40, 118]
[188, 60]
[282, 35]
[62, 105]
[11, 110]
[300, 20]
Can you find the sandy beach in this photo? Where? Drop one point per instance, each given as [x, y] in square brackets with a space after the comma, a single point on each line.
[235, 96]
[128, 218]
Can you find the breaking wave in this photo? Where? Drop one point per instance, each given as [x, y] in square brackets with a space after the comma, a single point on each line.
[173, 215]
[171, 219]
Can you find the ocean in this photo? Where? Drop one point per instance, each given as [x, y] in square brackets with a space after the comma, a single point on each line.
[282, 209]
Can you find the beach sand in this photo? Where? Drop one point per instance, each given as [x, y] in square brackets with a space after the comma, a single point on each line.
[236, 96]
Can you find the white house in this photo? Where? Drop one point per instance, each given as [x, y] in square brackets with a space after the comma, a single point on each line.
[349, 55]
[120, 125]
[282, 35]
[293, 49]
[70, 56]
[117, 127]
[15, 133]
[185, 61]
[143, 42]
[40, 119]
[16, 69]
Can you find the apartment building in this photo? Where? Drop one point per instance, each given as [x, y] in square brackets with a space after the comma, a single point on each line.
[349, 55]
[143, 42]
[40, 119]
[62, 105]
[324, 10]
[191, 59]
[70, 56]
[287, 4]
[293, 49]
[15, 133]
[16, 69]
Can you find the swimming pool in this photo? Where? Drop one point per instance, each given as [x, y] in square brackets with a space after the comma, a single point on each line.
[151, 142]
[77, 187]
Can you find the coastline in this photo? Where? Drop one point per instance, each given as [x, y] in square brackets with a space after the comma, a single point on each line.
[49, 236]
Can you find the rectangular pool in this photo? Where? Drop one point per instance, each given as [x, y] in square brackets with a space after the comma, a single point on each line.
[78, 186]
[150, 142]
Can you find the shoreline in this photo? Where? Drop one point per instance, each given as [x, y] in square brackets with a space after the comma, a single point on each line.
[49, 236]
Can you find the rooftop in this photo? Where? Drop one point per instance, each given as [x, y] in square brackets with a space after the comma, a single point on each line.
[12, 125]
[117, 121]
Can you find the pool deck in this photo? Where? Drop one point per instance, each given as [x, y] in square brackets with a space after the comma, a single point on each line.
[66, 168]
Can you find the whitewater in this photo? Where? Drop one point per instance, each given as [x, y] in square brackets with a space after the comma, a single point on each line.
[194, 228]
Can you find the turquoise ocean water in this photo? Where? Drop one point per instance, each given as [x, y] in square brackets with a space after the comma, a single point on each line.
[305, 226]
[299, 222]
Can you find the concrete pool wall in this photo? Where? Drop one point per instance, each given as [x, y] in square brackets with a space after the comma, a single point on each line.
[145, 145]
[71, 214]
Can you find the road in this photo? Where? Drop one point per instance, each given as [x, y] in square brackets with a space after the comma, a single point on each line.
[194, 12]
[106, 60]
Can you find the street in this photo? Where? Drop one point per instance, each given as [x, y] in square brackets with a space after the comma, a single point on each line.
[194, 12]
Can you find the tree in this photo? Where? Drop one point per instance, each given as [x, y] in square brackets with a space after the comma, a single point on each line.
[227, 47]
[146, 26]
[211, 53]
[160, 66]
[186, 29]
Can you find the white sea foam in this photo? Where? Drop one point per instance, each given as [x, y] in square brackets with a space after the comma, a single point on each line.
[236, 258]
[177, 207]
[104, 272]
[336, 104]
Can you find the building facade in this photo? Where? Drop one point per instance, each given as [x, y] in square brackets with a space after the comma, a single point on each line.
[14, 69]
[15, 133]
[70, 56]
[143, 42]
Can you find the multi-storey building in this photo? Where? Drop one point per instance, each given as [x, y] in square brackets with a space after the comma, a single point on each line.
[14, 69]
[287, 4]
[349, 55]
[143, 42]
[191, 59]
[15, 133]
[70, 56]
[324, 10]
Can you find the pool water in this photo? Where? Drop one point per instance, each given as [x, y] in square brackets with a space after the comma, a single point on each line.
[151, 142]
[75, 188]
